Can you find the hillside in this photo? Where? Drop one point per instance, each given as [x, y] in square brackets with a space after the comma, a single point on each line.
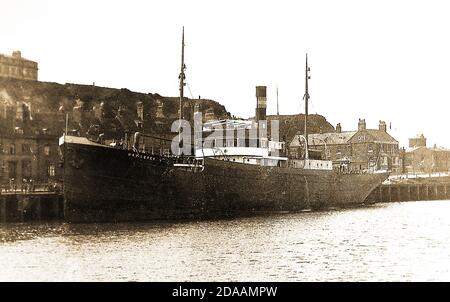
[292, 124]
[32, 107]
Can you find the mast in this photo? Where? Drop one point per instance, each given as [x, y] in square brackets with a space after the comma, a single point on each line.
[182, 77]
[306, 98]
[278, 108]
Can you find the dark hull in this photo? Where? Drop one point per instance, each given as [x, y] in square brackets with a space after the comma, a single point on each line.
[107, 184]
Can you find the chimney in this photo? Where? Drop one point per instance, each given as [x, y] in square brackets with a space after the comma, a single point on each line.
[338, 128]
[382, 126]
[361, 124]
[17, 54]
[261, 103]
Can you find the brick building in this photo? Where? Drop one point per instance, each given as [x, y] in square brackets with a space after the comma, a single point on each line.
[421, 159]
[26, 151]
[28, 157]
[17, 67]
[363, 149]
[418, 141]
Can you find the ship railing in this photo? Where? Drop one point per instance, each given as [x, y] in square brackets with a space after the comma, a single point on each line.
[185, 161]
[190, 162]
[359, 171]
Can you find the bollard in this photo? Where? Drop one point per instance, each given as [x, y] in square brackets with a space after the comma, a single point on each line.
[2, 209]
[409, 192]
[389, 193]
[418, 192]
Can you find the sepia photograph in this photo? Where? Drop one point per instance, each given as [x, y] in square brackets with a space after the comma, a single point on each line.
[248, 143]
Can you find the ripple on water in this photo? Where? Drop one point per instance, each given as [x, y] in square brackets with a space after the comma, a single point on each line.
[388, 242]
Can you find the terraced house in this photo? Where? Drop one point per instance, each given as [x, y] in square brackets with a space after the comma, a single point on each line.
[360, 150]
[26, 152]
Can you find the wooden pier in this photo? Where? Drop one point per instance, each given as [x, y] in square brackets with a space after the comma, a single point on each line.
[31, 206]
[412, 190]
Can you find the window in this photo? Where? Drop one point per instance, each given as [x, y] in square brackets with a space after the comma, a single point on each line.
[12, 149]
[12, 169]
[3, 169]
[26, 169]
[47, 150]
[263, 143]
[26, 149]
[51, 170]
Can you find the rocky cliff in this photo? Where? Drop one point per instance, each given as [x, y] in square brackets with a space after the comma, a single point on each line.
[292, 124]
[31, 107]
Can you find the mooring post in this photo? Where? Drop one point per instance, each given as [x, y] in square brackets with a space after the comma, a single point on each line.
[436, 196]
[2, 209]
[38, 208]
[55, 203]
[389, 193]
[418, 192]
[409, 192]
[380, 193]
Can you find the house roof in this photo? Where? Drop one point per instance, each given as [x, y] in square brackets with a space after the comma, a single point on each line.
[423, 148]
[330, 138]
[335, 138]
[381, 136]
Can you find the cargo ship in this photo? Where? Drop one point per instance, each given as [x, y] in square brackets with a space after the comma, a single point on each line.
[229, 177]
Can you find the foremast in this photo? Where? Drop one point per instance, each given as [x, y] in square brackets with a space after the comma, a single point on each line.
[306, 98]
[181, 78]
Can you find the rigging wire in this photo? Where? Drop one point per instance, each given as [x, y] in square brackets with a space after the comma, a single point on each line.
[189, 88]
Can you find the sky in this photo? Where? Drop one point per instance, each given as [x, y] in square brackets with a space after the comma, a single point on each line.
[377, 60]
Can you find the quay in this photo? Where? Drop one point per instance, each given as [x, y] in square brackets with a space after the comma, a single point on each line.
[26, 205]
[412, 189]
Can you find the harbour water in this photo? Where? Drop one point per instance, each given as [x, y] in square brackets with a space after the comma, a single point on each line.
[385, 242]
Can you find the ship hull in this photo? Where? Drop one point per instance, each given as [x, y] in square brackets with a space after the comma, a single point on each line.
[109, 184]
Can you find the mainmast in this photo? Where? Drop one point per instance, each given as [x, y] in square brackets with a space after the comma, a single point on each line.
[278, 108]
[306, 98]
[182, 77]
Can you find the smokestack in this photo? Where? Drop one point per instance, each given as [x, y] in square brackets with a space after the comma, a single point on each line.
[261, 103]
[338, 128]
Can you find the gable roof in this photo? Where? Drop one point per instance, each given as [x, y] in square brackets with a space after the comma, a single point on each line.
[381, 136]
[331, 138]
[335, 138]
